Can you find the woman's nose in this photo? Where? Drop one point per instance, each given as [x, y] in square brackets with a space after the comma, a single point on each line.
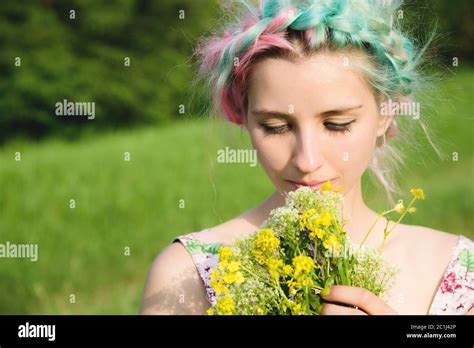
[307, 156]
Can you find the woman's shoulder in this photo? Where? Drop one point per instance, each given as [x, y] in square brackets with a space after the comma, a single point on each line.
[454, 293]
[423, 246]
[427, 257]
[428, 238]
[437, 248]
[221, 234]
[174, 284]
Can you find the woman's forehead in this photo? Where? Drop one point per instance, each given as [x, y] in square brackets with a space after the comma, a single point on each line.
[322, 80]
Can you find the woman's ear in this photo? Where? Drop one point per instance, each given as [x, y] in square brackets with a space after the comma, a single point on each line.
[385, 117]
[383, 124]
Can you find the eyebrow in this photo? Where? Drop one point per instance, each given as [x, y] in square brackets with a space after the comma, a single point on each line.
[278, 114]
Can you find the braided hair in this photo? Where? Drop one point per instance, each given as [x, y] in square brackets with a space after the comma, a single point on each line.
[298, 28]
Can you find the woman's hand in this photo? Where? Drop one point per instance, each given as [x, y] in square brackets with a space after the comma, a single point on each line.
[363, 301]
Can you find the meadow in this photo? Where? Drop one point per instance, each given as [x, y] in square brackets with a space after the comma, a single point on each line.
[102, 208]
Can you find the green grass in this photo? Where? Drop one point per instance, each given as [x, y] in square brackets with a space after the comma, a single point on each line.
[136, 204]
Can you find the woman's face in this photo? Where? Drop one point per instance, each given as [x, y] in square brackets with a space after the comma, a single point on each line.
[312, 121]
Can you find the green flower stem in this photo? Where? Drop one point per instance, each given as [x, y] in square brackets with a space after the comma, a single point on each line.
[373, 225]
[339, 229]
[280, 290]
[306, 298]
[255, 275]
[315, 245]
[385, 234]
[401, 216]
[370, 230]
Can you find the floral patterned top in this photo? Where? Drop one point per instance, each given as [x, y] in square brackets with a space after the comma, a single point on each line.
[455, 294]
[204, 254]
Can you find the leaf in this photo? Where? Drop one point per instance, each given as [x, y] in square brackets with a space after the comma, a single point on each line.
[329, 282]
[214, 248]
[314, 302]
[342, 273]
[200, 246]
[467, 259]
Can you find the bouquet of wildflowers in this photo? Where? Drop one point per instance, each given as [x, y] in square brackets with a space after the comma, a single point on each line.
[297, 255]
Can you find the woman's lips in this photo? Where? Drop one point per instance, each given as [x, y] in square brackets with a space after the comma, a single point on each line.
[312, 186]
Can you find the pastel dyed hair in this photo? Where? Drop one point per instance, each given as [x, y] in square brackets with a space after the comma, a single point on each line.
[292, 29]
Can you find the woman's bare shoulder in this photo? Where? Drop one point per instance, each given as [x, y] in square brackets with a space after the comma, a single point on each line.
[428, 236]
[173, 285]
[426, 244]
[234, 228]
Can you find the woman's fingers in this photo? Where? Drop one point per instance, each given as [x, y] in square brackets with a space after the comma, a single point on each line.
[360, 298]
[332, 309]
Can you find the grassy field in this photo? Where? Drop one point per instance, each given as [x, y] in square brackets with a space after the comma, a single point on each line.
[136, 204]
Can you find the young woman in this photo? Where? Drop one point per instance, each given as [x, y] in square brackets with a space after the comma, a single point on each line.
[308, 80]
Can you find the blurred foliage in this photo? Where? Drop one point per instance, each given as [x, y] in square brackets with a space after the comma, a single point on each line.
[82, 59]
[453, 22]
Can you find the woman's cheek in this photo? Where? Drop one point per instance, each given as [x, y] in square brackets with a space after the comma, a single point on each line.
[349, 154]
[356, 150]
[272, 155]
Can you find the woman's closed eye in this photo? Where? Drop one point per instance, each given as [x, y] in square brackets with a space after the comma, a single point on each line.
[331, 127]
[342, 128]
[280, 129]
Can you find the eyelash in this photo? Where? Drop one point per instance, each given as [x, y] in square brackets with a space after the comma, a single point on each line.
[337, 128]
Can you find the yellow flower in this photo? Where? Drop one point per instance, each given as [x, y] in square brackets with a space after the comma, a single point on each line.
[317, 233]
[219, 287]
[301, 281]
[225, 253]
[327, 186]
[302, 264]
[411, 210]
[399, 208]
[332, 244]
[293, 286]
[239, 277]
[229, 278]
[418, 193]
[222, 265]
[266, 243]
[274, 266]
[307, 281]
[225, 305]
[325, 218]
[217, 284]
[260, 310]
[297, 309]
[266, 240]
[287, 270]
[304, 218]
[233, 266]
[214, 275]
[210, 311]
